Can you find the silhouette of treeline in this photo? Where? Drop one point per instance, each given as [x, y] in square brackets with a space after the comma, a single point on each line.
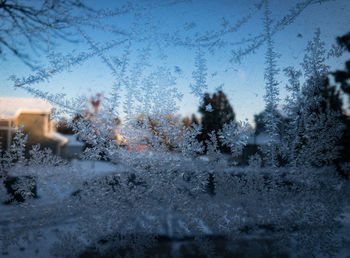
[215, 111]
[343, 77]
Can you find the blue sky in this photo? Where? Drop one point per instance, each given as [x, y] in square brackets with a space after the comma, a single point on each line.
[242, 82]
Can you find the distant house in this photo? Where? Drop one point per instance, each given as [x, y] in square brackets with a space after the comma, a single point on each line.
[74, 148]
[34, 115]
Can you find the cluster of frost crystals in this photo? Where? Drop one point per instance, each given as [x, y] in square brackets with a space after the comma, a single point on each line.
[199, 75]
[235, 136]
[189, 146]
[16, 150]
[252, 43]
[314, 128]
[159, 181]
[255, 161]
[271, 96]
[168, 189]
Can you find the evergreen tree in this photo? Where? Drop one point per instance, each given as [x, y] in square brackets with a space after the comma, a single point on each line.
[343, 77]
[194, 119]
[216, 111]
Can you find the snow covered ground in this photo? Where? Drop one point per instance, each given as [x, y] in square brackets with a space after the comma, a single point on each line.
[54, 191]
[55, 188]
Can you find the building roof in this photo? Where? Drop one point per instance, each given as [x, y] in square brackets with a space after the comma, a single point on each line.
[57, 137]
[11, 107]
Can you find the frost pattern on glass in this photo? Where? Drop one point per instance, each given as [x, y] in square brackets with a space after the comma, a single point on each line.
[158, 179]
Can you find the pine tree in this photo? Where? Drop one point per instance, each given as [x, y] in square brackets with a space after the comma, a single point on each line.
[216, 111]
[194, 119]
[342, 77]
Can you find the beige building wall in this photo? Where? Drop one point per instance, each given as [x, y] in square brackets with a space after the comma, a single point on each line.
[34, 115]
[35, 125]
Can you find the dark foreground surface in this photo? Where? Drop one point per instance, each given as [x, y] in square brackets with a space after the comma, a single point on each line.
[205, 246]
